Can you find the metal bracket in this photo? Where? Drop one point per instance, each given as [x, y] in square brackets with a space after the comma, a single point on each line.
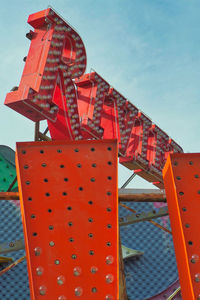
[128, 252]
[143, 216]
[11, 246]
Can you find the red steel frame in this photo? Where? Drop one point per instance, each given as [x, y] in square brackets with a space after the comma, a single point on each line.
[181, 177]
[69, 202]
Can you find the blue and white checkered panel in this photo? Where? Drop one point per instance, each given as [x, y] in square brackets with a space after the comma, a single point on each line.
[151, 273]
[14, 283]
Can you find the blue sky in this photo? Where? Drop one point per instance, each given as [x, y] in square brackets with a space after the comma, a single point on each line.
[147, 49]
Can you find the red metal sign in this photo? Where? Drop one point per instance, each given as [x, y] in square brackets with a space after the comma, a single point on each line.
[181, 176]
[70, 229]
[78, 106]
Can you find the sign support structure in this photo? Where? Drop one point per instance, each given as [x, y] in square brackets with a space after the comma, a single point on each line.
[69, 205]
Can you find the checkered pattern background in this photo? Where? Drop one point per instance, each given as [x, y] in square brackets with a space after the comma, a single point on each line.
[153, 272]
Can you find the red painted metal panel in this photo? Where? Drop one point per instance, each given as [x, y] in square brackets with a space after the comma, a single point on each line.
[56, 55]
[69, 203]
[181, 177]
[91, 91]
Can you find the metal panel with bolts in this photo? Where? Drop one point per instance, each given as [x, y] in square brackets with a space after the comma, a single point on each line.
[68, 194]
[181, 179]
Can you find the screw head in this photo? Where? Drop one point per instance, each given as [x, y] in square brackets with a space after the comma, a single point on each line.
[39, 271]
[57, 262]
[42, 290]
[60, 280]
[78, 291]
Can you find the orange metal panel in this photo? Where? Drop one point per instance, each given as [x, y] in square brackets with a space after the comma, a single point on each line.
[68, 194]
[182, 184]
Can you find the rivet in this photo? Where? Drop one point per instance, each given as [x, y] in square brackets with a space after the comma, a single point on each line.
[78, 291]
[39, 271]
[42, 290]
[60, 280]
[57, 262]
[194, 258]
[94, 270]
[51, 243]
[94, 290]
[62, 297]
[74, 256]
[37, 251]
[77, 271]
[109, 297]
[109, 278]
[197, 277]
[109, 259]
